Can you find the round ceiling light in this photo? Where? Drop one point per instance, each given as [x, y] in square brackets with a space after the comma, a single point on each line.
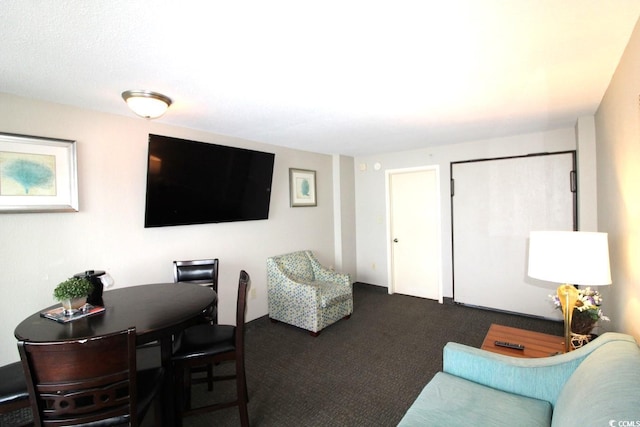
[146, 103]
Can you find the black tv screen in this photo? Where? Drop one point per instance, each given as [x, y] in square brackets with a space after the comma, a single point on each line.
[191, 182]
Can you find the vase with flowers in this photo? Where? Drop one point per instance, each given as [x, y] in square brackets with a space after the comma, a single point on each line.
[586, 314]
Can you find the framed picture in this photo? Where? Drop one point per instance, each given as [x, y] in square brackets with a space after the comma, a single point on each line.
[302, 187]
[37, 174]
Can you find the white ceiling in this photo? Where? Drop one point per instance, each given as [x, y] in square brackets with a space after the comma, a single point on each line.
[349, 77]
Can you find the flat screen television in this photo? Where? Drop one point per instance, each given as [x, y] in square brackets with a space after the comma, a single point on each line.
[191, 182]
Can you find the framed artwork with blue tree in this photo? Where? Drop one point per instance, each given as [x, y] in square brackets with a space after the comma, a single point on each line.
[37, 174]
[302, 187]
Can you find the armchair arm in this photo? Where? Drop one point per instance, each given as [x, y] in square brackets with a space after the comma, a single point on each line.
[541, 378]
[323, 274]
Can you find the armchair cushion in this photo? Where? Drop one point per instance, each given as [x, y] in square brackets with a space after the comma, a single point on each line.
[328, 293]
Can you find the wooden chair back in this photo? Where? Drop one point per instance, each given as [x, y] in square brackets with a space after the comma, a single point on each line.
[241, 310]
[83, 380]
[201, 271]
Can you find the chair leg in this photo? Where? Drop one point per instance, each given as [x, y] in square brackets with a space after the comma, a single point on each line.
[186, 376]
[241, 390]
[158, 412]
[180, 395]
[210, 377]
[244, 414]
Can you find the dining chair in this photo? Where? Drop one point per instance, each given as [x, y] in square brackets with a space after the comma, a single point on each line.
[14, 396]
[203, 272]
[89, 380]
[214, 344]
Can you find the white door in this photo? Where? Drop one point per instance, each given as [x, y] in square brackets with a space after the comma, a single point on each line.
[414, 232]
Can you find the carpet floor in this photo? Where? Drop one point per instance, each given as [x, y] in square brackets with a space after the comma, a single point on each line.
[364, 371]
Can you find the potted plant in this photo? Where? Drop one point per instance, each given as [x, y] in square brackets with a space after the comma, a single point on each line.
[72, 293]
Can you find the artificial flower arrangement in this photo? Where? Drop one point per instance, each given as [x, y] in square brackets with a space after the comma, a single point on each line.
[586, 312]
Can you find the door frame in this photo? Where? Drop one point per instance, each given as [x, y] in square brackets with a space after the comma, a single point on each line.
[438, 207]
[573, 187]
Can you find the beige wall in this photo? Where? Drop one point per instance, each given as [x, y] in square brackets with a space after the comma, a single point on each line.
[40, 249]
[618, 164]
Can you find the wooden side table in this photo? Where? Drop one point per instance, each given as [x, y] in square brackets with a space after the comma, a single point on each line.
[536, 344]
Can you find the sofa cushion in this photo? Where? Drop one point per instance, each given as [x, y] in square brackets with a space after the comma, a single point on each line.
[452, 401]
[604, 388]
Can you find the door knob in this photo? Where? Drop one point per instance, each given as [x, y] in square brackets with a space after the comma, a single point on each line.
[395, 240]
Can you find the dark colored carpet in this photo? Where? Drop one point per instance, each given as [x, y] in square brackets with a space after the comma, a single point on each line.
[365, 371]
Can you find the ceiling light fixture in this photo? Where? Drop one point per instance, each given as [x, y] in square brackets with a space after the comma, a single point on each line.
[146, 103]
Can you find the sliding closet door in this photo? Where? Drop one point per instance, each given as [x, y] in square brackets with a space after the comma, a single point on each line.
[495, 204]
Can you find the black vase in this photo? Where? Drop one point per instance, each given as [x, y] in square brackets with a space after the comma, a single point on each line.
[581, 322]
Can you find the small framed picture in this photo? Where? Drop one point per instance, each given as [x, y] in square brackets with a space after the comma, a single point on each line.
[302, 187]
[37, 174]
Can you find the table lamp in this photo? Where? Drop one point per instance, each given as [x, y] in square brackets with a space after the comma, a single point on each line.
[570, 258]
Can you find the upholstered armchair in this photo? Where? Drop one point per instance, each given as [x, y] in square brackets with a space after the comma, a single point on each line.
[305, 294]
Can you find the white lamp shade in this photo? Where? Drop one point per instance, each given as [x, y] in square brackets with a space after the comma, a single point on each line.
[572, 257]
[147, 104]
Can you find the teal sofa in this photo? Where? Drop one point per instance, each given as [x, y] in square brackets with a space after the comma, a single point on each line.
[596, 385]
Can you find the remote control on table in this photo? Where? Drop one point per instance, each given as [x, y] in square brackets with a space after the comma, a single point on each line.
[509, 345]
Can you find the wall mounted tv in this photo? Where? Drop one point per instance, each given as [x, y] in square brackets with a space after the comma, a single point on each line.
[191, 182]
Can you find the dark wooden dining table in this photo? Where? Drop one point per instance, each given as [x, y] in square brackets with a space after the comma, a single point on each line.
[157, 311]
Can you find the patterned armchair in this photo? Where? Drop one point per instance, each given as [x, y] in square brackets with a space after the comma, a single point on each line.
[305, 294]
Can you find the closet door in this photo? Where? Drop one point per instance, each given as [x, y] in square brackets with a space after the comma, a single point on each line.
[495, 203]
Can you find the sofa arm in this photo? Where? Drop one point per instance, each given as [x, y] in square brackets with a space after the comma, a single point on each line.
[541, 378]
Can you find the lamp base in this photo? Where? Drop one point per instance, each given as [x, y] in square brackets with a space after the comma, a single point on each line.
[568, 295]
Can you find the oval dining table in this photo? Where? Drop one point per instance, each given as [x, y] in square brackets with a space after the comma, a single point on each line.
[157, 311]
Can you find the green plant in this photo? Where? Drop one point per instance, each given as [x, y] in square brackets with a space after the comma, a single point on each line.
[73, 287]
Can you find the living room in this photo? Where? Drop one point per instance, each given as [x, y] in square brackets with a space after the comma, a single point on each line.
[42, 249]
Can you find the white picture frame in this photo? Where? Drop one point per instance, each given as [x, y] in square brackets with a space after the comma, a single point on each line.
[37, 174]
[302, 188]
